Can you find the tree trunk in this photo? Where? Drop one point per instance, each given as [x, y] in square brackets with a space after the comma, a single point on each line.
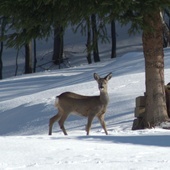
[1, 63]
[58, 45]
[156, 111]
[88, 45]
[3, 25]
[35, 55]
[28, 58]
[16, 62]
[166, 33]
[113, 34]
[95, 39]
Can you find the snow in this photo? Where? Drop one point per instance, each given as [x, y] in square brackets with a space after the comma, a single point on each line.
[27, 103]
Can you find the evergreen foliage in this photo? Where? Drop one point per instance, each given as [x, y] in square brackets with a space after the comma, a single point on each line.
[37, 17]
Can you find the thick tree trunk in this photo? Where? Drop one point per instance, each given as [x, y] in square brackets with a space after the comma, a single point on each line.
[58, 45]
[113, 34]
[28, 58]
[156, 111]
[95, 39]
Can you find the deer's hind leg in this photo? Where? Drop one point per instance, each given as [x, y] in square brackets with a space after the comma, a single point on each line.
[61, 122]
[52, 121]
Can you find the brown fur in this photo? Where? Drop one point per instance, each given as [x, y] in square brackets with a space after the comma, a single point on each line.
[87, 106]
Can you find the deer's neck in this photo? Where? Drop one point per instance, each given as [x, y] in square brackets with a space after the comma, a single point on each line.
[104, 97]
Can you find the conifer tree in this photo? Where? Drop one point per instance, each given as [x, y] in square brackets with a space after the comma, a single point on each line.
[144, 16]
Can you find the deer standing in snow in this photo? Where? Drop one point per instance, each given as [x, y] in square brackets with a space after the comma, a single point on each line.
[87, 106]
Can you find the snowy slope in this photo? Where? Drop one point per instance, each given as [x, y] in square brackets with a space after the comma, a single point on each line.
[27, 103]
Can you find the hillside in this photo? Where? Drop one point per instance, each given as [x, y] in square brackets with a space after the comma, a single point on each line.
[27, 103]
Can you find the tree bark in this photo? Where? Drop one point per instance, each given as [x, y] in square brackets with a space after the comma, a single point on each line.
[166, 33]
[16, 62]
[156, 111]
[58, 45]
[28, 58]
[95, 39]
[113, 34]
[3, 25]
[88, 45]
[35, 55]
[1, 63]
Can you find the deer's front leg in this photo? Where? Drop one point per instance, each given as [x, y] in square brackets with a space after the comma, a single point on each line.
[102, 122]
[89, 122]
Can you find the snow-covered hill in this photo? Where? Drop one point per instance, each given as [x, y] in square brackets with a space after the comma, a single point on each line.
[27, 103]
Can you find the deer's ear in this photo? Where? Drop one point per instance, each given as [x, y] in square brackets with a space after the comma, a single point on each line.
[96, 76]
[108, 77]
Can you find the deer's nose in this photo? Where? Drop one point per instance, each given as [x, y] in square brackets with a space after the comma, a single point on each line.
[101, 87]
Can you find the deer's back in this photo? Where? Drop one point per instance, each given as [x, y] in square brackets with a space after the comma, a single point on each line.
[79, 104]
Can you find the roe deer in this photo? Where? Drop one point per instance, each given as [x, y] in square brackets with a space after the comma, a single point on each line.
[87, 106]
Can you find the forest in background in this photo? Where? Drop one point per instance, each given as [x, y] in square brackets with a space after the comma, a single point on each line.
[29, 20]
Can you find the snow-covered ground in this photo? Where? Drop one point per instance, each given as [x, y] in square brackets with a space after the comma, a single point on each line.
[27, 103]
